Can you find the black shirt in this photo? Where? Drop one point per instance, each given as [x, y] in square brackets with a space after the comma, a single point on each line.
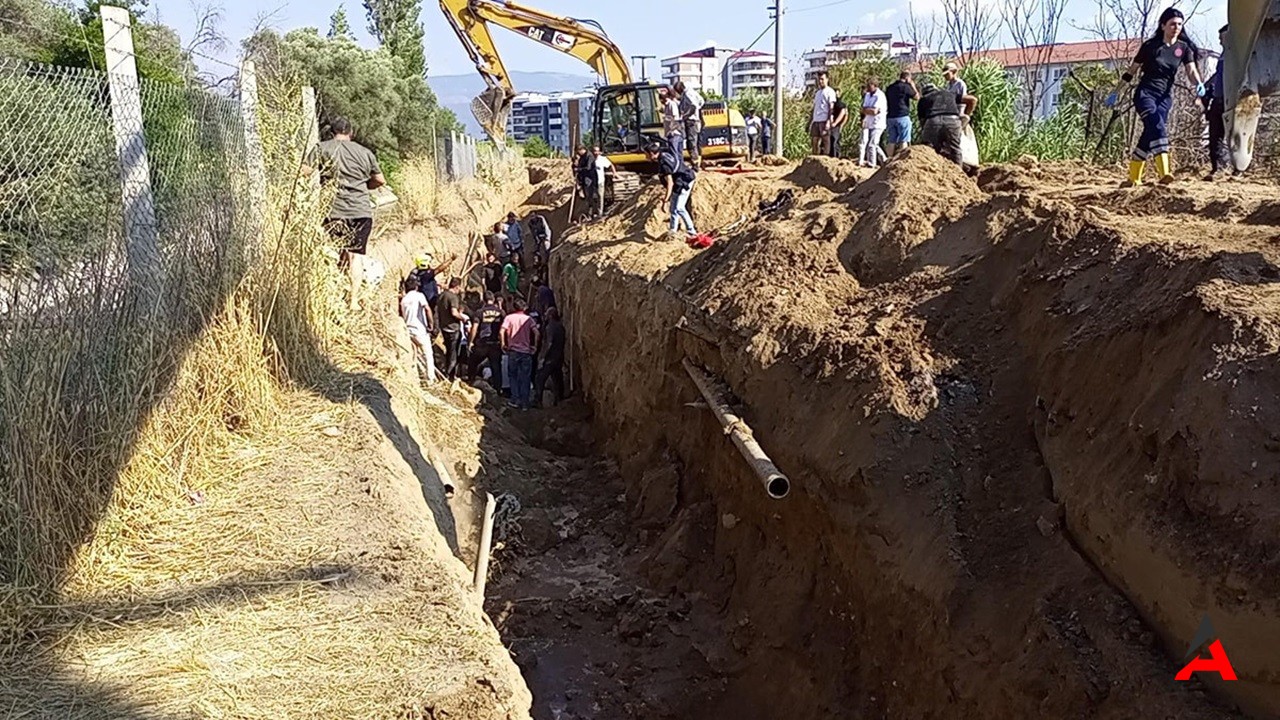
[838, 108]
[939, 103]
[449, 301]
[490, 324]
[553, 339]
[899, 95]
[493, 277]
[1160, 63]
[671, 164]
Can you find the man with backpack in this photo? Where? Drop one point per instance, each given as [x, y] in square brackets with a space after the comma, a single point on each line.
[678, 178]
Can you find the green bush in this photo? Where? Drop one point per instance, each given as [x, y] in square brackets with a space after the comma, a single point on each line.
[536, 147]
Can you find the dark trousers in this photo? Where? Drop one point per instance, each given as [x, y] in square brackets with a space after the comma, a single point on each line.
[492, 354]
[835, 142]
[552, 369]
[1153, 110]
[1219, 158]
[452, 349]
[943, 135]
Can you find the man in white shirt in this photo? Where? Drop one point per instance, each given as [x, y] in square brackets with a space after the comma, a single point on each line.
[753, 135]
[874, 107]
[672, 125]
[417, 320]
[603, 166]
[691, 115]
[820, 129]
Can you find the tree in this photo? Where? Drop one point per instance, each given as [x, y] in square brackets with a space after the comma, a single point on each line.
[920, 31]
[339, 27]
[392, 109]
[1033, 25]
[536, 147]
[397, 27]
[969, 26]
[34, 29]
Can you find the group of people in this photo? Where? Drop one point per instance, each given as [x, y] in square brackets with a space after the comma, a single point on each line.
[886, 115]
[508, 333]
[682, 119]
[592, 169]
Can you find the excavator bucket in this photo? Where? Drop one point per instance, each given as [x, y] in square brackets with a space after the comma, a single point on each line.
[491, 108]
[1246, 19]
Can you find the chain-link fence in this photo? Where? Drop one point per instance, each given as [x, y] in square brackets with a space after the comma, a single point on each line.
[125, 218]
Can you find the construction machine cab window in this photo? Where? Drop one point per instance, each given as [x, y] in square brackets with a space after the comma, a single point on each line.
[626, 116]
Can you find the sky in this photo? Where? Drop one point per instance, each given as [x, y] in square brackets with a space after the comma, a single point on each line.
[648, 27]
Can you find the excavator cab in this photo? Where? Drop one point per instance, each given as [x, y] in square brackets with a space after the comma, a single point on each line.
[627, 117]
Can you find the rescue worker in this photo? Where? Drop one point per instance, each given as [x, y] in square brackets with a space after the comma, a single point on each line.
[1214, 109]
[1158, 59]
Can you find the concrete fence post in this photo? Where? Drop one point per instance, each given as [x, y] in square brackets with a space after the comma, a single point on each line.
[311, 128]
[253, 148]
[142, 236]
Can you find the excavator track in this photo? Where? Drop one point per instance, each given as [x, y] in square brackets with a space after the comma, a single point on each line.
[626, 185]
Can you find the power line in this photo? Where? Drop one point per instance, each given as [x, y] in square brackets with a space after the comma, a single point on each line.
[819, 7]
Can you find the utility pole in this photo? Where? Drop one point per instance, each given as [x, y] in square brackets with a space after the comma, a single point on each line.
[644, 68]
[777, 77]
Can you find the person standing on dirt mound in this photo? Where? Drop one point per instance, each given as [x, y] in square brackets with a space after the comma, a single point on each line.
[824, 99]
[520, 342]
[672, 125]
[874, 108]
[940, 114]
[691, 116]
[1158, 60]
[1214, 112]
[898, 97]
[678, 178]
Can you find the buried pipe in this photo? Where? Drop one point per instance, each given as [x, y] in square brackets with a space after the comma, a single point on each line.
[775, 483]
[486, 545]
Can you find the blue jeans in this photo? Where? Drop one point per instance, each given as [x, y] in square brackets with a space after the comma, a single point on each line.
[898, 131]
[676, 141]
[1153, 109]
[680, 209]
[521, 379]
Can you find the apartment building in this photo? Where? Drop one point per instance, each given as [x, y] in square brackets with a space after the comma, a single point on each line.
[1044, 70]
[547, 116]
[845, 48]
[721, 70]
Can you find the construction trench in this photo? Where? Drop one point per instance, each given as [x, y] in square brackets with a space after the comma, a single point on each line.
[1026, 426]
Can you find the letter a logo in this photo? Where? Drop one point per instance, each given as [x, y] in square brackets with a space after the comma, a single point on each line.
[1216, 662]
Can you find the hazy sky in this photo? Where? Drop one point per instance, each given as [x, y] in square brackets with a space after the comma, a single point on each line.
[649, 27]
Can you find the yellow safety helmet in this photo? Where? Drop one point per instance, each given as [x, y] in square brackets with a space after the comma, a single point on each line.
[422, 261]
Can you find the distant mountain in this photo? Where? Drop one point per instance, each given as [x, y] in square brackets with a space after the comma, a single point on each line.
[455, 91]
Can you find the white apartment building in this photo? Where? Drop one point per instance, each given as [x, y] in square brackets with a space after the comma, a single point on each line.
[1043, 69]
[844, 48]
[725, 71]
[701, 69]
[546, 115]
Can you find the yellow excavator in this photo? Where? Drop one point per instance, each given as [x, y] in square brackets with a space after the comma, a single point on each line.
[626, 114]
[1251, 71]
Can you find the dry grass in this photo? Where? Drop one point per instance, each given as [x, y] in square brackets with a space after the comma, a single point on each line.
[190, 538]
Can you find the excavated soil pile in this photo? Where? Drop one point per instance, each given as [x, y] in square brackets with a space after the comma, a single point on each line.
[1029, 424]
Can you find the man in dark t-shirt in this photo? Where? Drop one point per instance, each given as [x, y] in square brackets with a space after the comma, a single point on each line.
[492, 274]
[551, 366]
[449, 313]
[839, 117]
[940, 114]
[899, 95]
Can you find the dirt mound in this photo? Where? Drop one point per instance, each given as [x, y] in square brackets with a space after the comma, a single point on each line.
[834, 174]
[541, 171]
[902, 206]
[1023, 431]
[717, 200]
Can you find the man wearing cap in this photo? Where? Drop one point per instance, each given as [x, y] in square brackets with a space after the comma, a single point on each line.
[940, 113]
[968, 103]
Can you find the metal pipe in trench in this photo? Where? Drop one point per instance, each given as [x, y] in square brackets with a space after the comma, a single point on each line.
[775, 483]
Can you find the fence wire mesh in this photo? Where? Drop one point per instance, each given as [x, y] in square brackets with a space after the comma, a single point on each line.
[125, 219]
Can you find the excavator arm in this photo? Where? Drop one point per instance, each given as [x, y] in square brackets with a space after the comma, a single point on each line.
[1251, 69]
[583, 39]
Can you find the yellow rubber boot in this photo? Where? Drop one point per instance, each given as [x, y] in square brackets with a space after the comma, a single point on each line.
[1164, 168]
[1136, 168]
